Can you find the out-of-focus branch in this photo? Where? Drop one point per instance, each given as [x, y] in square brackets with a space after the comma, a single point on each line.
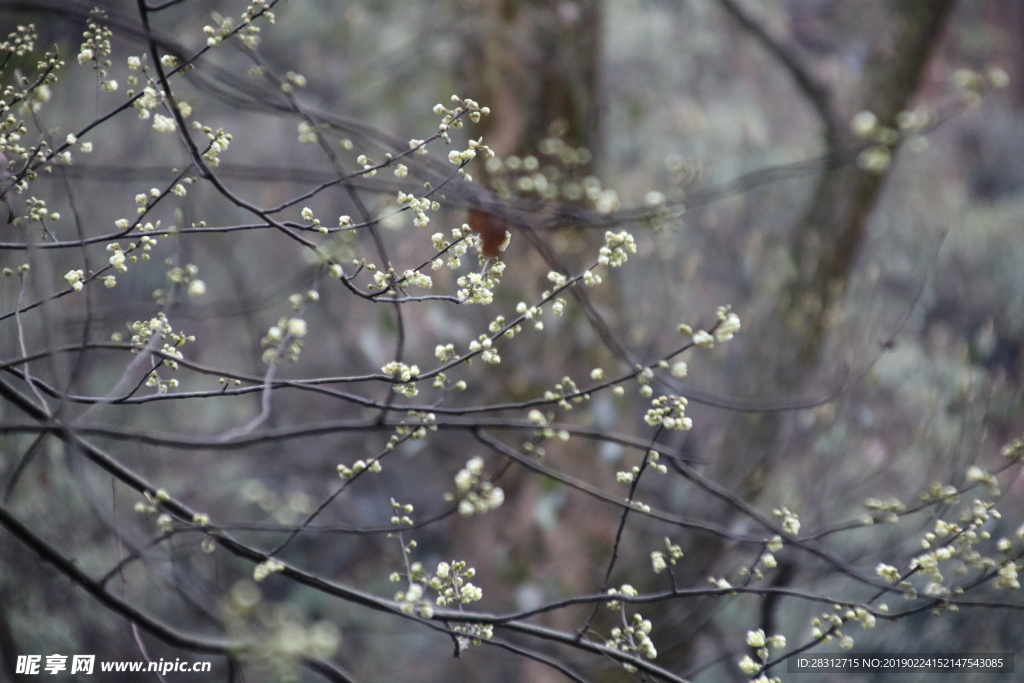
[153, 626]
[815, 91]
[149, 624]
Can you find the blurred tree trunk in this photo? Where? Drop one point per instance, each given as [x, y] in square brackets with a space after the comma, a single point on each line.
[833, 229]
[829, 237]
[1013, 14]
[826, 244]
[536, 64]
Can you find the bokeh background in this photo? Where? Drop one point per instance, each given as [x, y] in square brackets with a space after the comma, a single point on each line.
[882, 347]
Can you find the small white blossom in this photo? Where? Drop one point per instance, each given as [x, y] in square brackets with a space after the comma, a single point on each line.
[117, 260]
[1008, 576]
[265, 569]
[888, 572]
[790, 522]
[616, 249]
[864, 124]
[703, 339]
[729, 324]
[74, 278]
[748, 665]
[163, 124]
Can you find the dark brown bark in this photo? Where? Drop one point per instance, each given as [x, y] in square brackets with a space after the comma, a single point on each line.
[537, 65]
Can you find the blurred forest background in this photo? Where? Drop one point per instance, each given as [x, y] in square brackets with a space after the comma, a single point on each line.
[880, 282]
